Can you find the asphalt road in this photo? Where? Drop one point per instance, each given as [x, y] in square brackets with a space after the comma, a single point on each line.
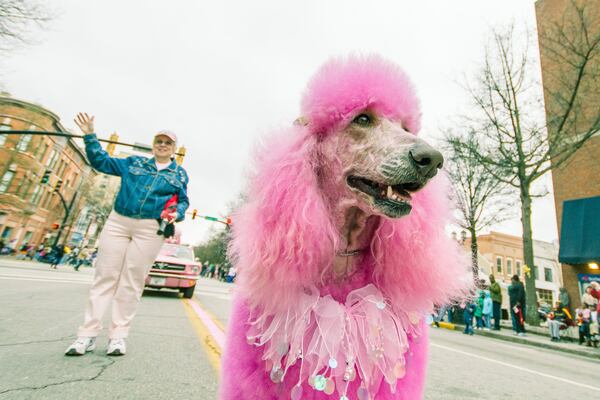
[175, 345]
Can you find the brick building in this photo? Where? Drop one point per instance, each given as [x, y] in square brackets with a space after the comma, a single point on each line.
[577, 182]
[28, 208]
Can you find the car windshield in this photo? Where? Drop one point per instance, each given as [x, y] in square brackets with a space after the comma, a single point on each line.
[173, 250]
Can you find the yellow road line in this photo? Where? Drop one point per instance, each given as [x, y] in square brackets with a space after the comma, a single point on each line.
[214, 319]
[211, 348]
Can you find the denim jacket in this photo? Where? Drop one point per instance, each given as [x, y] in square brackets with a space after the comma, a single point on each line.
[144, 190]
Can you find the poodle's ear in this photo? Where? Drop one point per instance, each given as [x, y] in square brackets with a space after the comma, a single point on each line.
[416, 263]
[282, 235]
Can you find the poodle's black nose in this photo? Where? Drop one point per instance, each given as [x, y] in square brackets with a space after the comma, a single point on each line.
[427, 159]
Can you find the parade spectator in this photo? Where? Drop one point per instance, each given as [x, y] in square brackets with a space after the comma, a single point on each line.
[58, 252]
[469, 310]
[487, 310]
[557, 319]
[129, 242]
[583, 316]
[564, 298]
[23, 251]
[517, 301]
[590, 297]
[479, 310]
[496, 295]
[439, 313]
[231, 274]
[81, 258]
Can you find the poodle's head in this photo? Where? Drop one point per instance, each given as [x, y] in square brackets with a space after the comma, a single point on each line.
[376, 165]
[355, 145]
[366, 115]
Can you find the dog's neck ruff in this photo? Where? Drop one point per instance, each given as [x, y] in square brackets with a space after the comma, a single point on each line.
[334, 343]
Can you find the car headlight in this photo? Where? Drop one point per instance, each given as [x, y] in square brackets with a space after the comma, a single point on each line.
[195, 269]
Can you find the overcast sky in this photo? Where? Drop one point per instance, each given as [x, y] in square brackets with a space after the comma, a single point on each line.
[223, 73]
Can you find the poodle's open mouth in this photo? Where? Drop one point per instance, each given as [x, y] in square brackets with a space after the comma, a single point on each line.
[392, 200]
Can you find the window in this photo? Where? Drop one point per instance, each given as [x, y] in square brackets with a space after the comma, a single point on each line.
[26, 188]
[6, 180]
[518, 267]
[27, 237]
[509, 266]
[46, 202]
[5, 125]
[21, 183]
[42, 151]
[35, 196]
[24, 142]
[60, 169]
[548, 274]
[499, 264]
[536, 273]
[545, 296]
[52, 159]
[6, 233]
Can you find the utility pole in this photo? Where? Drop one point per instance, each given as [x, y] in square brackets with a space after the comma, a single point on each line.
[67, 212]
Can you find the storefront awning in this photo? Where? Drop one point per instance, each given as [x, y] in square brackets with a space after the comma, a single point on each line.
[580, 232]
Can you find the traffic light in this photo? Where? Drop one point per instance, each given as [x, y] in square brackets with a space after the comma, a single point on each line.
[110, 148]
[58, 185]
[55, 226]
[180, 155]
[194, 213]
[46, 176]
[228, 220]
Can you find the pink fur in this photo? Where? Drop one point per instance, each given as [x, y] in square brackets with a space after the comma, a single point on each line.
[345, 85]
[284, 239]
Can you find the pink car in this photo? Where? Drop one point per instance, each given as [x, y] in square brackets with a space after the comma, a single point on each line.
[175, 268]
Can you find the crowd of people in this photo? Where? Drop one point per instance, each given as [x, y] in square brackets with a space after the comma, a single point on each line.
[222, 272]
[584, 320]
[483, 312]
[55, 255]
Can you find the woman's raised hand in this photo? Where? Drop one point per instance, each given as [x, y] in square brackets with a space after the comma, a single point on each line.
[85, 123]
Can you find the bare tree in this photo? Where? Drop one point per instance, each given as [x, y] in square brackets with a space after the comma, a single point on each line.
[481, 199]
[17, 17]
[523, 146]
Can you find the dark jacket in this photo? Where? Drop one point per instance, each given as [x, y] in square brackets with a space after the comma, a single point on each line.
[516, 294]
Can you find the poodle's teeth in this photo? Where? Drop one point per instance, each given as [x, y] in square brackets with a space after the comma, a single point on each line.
[390, 192]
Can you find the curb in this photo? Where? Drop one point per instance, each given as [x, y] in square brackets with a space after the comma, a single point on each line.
[517, 339]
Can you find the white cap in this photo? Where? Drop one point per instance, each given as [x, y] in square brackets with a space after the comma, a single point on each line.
[167, 133]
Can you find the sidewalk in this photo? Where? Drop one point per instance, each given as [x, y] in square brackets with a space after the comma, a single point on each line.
[536, 336]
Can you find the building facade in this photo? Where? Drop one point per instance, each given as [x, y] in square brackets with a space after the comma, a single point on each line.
[28, 208]
[576, 182]
[504, 253]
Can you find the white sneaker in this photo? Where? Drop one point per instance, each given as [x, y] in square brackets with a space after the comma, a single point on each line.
[81, 346]
[116, 347]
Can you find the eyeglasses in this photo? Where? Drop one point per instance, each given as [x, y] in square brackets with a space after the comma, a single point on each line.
[167, 142]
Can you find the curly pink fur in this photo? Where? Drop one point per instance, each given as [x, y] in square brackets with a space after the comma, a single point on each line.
[284, 238]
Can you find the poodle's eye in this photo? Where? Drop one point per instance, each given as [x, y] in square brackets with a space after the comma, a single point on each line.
[363, 120]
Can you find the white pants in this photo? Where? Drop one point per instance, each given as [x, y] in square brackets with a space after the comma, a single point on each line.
[126, 251]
